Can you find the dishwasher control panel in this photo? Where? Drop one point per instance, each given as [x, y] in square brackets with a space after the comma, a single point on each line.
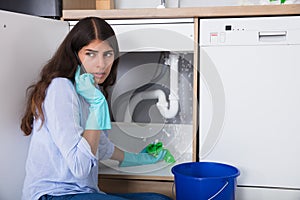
[250, 31]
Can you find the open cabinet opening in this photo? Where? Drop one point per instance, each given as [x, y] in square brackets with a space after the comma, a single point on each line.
[152, 101]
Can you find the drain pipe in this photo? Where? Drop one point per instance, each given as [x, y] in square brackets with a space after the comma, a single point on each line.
[167, 110]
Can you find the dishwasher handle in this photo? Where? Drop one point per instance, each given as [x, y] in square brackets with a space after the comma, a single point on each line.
[272, 36]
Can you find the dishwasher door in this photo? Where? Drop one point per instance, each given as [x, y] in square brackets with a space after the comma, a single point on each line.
[249, 95]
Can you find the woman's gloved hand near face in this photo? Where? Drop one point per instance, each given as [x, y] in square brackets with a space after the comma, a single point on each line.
[99, 118]
[143, 158]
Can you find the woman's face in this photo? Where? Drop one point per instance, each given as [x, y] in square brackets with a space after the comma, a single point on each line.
[97, 58]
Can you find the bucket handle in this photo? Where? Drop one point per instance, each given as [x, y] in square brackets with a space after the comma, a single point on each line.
[224, 186]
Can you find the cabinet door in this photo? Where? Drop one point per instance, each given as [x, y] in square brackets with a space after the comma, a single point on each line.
[27, 43]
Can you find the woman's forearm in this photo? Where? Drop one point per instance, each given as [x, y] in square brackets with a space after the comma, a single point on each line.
[93, 138]
[118, 154]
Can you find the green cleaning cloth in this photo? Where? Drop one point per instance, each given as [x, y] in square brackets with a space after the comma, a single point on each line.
[155, 148]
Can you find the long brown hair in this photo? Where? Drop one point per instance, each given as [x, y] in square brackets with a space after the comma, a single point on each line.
[64, 64]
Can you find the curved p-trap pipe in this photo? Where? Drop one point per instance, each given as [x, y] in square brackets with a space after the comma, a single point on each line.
[167, 109]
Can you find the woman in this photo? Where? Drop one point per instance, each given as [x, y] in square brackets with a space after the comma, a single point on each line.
[67, 116]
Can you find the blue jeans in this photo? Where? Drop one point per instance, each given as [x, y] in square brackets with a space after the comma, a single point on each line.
[100, 196]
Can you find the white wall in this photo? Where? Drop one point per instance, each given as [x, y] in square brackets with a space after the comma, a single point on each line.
[125, 4]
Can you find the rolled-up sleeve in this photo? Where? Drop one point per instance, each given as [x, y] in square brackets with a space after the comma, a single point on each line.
[62, 115]
[106, 147]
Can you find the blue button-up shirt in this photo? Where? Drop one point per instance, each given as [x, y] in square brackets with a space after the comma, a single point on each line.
[60, 160]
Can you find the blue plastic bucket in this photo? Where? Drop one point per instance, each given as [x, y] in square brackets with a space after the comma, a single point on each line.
[205, 181]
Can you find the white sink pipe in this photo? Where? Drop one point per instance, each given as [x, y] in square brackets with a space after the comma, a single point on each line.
[167, 110]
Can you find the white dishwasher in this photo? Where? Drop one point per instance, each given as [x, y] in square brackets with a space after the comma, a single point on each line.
[249, 114]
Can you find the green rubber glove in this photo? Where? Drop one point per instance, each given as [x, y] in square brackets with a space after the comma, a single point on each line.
[155, 148]
[135, 159]
[98, 118]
